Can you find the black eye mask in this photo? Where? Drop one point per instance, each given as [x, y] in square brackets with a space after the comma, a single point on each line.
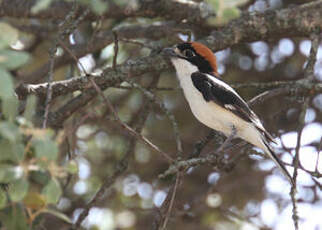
[194, 58]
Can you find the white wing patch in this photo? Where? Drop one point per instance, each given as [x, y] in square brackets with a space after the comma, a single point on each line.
[230, 107]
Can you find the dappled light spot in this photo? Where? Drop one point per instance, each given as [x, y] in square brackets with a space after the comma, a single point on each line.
[213, 177]
[310, 115]
[269, 212]
[245, 63]
[286, 47]
[259, 48]
[101, 218]
[80, 187]
[214, 200]
[145, 190]
[130, 185]
[159, 198]
[317, 101]
[277, 184]
[305, 47]
[308, 157]
[311, 133]
[125, 219]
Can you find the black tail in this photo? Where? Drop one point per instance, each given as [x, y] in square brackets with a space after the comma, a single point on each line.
[279, 163]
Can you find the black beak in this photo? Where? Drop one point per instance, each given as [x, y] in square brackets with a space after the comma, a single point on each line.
[169, 52]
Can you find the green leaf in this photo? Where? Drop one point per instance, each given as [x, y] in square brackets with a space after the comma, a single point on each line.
[121, 3]
[6, 85]
[11, 151]
[11, 59]
[230, 13]
[30, 107]
[10, 108]
[72, 167]
[9, 173]
[9, 131]
[226, 10]
[214, 3]
[18, 189]
[99, 6]
[6, 150]
[41, 177]
[15, 219]
[40, 5]
[18, 150]
[8, 35]
[3, 199]
[52, 191]
[45, 148]
[59, 215]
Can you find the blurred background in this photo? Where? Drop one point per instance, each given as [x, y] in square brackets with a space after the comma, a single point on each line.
[50, 175]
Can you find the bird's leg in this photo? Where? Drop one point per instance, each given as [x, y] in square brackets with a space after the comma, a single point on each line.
[228, 140]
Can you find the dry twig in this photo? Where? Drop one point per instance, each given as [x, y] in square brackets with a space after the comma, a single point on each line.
[116, 49]
[309, 78]
[171, 203]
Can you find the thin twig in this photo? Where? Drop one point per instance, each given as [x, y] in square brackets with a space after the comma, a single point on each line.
[318, 156]
[300, 166]
[228, 140]
[128, 128]
[136, 43]
[309, 69]
[49, 87]
[149, 88]
[185, 164]
[309, 77]
[168, 214]
[163, 212]
[116, 49]
[295, 216]
[65, 28]
[200, 145]
[62, 44]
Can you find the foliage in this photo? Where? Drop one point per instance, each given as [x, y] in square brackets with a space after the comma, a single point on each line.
[225, 10]
[29, 170]
[98, 6]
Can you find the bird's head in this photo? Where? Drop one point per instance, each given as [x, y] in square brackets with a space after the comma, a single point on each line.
[192, 56]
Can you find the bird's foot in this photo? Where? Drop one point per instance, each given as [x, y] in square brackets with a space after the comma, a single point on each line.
[228, 140]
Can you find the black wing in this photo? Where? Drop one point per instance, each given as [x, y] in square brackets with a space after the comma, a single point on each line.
[222, 94]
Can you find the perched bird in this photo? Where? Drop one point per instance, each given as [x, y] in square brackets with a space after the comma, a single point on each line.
[213, 102]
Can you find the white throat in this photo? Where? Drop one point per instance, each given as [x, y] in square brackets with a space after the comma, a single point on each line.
[184, 70]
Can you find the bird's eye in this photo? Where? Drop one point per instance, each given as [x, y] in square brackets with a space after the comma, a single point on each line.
[188, 53]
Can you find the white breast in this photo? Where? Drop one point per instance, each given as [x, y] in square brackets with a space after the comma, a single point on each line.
[210, 114]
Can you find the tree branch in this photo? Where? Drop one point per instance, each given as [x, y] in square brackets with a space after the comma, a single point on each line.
[101, 40]
[310, 77]
[290, 22]
[192, 11]
[156, 62]
[296, 21]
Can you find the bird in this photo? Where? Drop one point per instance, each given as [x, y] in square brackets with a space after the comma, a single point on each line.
[214, 103]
